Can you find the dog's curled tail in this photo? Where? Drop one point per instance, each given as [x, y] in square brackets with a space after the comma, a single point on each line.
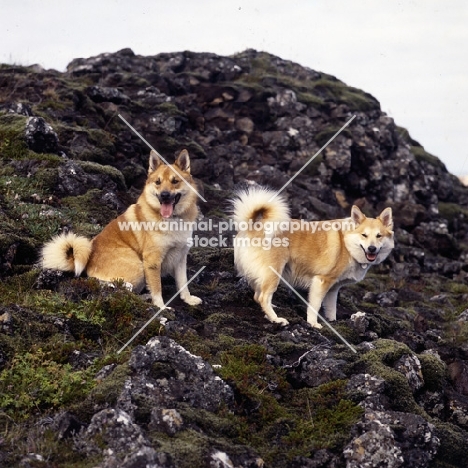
[66, 252]
[259, 204]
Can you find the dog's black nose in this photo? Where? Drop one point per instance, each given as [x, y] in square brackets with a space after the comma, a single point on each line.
[165, 196]
[371, 249]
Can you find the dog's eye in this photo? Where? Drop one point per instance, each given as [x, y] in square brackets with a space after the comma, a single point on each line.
[379, 236]
[175, 181]
[365, 236]
[158, 182]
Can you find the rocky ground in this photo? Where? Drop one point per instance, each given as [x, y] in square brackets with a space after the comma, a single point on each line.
[217, 385]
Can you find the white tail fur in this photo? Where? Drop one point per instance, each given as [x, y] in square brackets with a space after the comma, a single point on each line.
[66, 252]
[256, 204]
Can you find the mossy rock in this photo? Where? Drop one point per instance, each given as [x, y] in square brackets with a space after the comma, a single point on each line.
[12, 136]
[88, 213]
[337, 91]
[325, 135]
[190, 447]
[114, 174]
[453, 446]
[134, 174]
[34, 382]
[434, 371]
[452, 211]
[312, 169]
[104, 394]
[310, 99]
[215, 259]
[314, 92]
[214, 425]
[422, 155]
[379, 362]
[326, 417]
[344, 329]
[17, 250]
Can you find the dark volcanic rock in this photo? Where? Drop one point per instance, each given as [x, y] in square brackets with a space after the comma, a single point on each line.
[126, 445]
[392, 439]
[77, 178]
[40, 136]
[100, 94]
[166, 374]
[317, 367]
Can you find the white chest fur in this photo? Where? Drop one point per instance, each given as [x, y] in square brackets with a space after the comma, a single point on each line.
[355, 272]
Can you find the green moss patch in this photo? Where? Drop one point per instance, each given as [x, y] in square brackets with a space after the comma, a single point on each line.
[422, 155]
[379, 362]
[433, 371]
[12, 142]
[33, 382]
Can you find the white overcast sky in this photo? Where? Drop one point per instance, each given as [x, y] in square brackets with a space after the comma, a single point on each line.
[411, 55]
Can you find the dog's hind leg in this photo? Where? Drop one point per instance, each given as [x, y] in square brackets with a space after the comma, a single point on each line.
[329, 303]
[264, 293]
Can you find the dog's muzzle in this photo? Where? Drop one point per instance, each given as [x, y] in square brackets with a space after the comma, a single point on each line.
[371, 253]
[168, 202]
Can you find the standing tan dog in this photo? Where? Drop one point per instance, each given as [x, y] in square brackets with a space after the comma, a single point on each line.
[132, 247]
[321, 256]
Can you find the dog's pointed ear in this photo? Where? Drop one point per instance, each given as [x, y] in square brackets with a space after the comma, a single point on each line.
[357, 215]
[183, 161]
[154, 161]
[386, 218]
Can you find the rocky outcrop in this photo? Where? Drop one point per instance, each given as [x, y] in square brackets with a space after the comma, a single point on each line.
[216, 385]
[250, 117]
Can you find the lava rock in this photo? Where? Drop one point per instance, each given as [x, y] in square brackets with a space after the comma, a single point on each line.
[368, 391]
[166, 420]
[387, 299]
[360, 322]
[103, 94]
[116, 430]
[374, 447]
[19, 108]
[458, 372]
[40, 136]
[165, 375]
[392, 439]
[410, 367]
[318, 366]
[77, 178]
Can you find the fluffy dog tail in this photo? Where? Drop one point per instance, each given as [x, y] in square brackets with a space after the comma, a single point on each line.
[259, 204]
[66, 252]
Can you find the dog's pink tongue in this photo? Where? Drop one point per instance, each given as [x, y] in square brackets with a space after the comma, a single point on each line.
[166, 210]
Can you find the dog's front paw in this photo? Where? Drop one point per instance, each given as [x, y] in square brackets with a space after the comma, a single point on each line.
[316, 325]
[192, 300]
[282, 321]
[158, 301]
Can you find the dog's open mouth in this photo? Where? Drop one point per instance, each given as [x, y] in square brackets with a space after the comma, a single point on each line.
[370, 256]
[167, 206]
